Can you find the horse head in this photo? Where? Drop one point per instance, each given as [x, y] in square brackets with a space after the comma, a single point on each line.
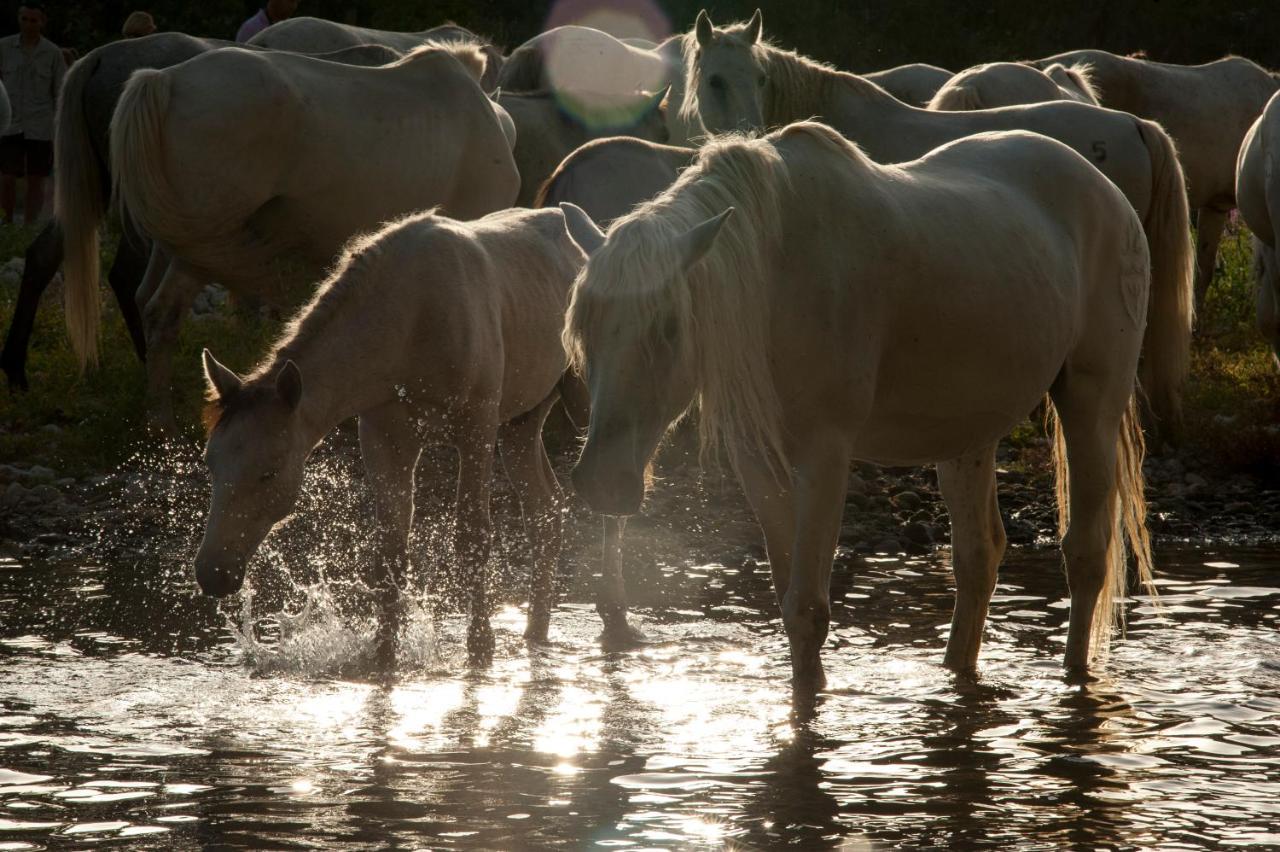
[726, 76]
[631, 340]
[255, 454]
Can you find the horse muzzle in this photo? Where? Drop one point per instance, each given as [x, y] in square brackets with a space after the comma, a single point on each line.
[219, 577]
[617, 491]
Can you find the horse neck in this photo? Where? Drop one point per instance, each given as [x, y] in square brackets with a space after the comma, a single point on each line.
[885, 128]
[345, 366]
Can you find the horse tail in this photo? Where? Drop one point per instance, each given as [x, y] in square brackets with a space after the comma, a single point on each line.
[958, 98]
[81, 193]
[1078, 78]
[1129, 534]
[142, 188]
[1167, 223]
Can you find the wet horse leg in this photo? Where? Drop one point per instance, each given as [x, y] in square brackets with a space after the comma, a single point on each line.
[43, 257]
[1209, 224]
[161, 317]
[820, 480]
[525, 459]
[472, 533]
[771, 502]
[390, 449]
[611, 591]
[1090, 433]
[968, 485]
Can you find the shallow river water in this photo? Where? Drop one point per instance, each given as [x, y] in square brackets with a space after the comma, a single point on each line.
[132, 712]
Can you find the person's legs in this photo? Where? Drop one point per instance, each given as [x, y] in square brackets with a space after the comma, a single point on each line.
[11, 168]
[39, 157]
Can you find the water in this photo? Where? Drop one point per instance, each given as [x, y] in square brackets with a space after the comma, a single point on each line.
[133, 712]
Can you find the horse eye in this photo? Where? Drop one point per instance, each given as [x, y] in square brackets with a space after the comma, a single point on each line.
[716, 81]
[761, 81]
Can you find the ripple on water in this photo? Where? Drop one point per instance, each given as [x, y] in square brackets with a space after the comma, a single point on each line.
[153, 716]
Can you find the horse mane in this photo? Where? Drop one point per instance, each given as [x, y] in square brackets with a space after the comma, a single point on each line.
[345, 279]
[717, 304]
[470, 54]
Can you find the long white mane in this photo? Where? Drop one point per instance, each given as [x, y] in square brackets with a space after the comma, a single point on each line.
[720, 306]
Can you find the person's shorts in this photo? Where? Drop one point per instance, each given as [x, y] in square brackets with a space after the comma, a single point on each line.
[20, 156]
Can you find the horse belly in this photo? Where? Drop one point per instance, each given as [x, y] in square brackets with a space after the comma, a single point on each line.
[967, 383]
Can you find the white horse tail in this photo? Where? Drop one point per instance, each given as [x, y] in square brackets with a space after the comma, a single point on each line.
[959, 98]
[1167, 346]
[1130, 532]
[80, 200]
[1077, 78]
[142, 188]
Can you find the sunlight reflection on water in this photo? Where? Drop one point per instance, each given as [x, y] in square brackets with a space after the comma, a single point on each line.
[172, 720]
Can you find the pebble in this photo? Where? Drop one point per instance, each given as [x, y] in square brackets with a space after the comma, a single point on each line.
[908, 500]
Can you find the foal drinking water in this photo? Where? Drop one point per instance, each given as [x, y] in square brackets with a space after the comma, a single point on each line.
[431, 330]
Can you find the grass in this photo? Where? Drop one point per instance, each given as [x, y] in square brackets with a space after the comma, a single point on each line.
[84, 423]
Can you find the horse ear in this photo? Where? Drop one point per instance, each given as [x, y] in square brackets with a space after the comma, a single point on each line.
[289, 384]
[581, 229]
[656, 101]
[697, 241]
[704, 29]
[221, 380]
[754, 27]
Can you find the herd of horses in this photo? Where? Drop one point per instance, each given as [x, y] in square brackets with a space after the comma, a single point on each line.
[894, 267]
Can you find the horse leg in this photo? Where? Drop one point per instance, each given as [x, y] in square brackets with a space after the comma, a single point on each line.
[968, 485]
[772, 504]
[820, 480]
[126, 276]
[472, 534]
[1090, 433]
[161, 317]
[525, 460]
[611, 591]
[1209, 223]
[43, 257]
[158, 261]
[390, 450]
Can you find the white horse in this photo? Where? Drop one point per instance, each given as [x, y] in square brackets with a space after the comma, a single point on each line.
[317, 35]
[235, 157]
[584, 63]
[1258, 194]
[738, 81]
[89, 96]
[1207, 109]
[430, 331]
[608, 177]
[998, 84]
[546, 132]
[902, 314]
[913, 84]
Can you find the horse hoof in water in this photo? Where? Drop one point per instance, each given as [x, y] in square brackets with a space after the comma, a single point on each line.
[621, 636]
[536, 630]
[480, 643]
